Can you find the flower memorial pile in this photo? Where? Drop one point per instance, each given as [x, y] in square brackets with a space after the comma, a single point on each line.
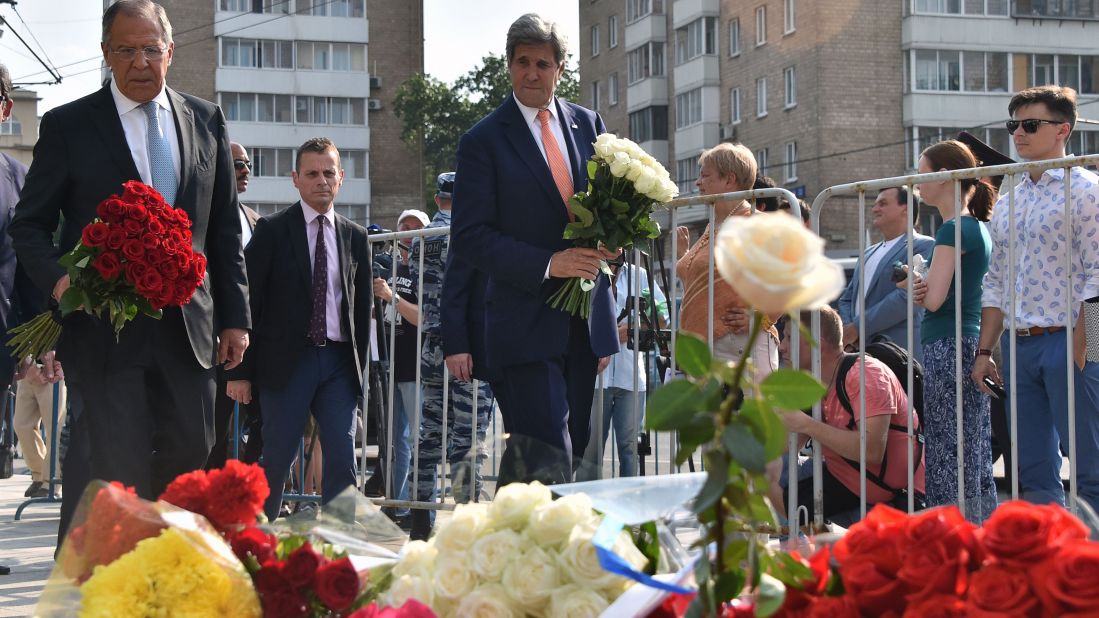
[523, 554]
[135, 257]
[624, 185]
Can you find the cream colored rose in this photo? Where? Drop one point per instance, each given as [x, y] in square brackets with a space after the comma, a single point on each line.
[408, 587]
[453, 577]
[620, 164]
[646, 182]
[513, 504]
[634, 171]
[492, 552]
[604, 146]
[775, 264]
[574, 601]
[529, 579]
[417, 558]
[579, 561]
[465, 526]
[551, 524]
[487, 601]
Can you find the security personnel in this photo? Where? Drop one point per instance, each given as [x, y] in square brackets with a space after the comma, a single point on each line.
[465, 465]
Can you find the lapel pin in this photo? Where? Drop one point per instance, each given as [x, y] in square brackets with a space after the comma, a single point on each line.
[574, 125]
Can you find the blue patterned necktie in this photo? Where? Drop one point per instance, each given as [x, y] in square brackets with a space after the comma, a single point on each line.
[318, 325]
[160, 154]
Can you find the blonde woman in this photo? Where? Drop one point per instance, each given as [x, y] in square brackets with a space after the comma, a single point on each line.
[722, 169]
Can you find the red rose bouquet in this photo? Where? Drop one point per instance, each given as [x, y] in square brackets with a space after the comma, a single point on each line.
[135, 257]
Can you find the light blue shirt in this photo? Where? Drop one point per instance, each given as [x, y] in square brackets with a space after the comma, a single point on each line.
[619, 373]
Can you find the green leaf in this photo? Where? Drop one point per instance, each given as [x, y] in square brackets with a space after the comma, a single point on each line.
[71, 300]
[791, 389]
[672, 406]
[729, 585]
[716, 474]
[744, 447]
[792, 571]
[592, 168]
[766, 425]
[770, 597]
[759, 509]
[584, 215]
[692, 355]
[697, 432]
[647, 542]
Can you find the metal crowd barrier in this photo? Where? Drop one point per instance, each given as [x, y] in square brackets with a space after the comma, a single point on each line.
[1010, 172]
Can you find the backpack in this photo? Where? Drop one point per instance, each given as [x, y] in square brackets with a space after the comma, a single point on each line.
[897, 359]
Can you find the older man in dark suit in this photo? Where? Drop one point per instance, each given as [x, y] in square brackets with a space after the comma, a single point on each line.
[517, 169]
[309, 270]
[147, 398]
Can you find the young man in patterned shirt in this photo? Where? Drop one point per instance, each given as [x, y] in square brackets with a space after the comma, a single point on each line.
[1042, 120]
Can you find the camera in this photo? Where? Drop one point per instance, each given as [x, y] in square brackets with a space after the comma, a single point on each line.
[383, 261]
[899, 273]
[648, 336]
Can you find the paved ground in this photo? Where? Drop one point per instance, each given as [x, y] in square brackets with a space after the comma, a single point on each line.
[25, 545]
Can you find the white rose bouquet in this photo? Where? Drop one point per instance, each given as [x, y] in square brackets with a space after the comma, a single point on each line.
[524, 554]
[624, 185]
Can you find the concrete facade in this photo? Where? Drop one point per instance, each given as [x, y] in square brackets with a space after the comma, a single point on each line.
[19, 134]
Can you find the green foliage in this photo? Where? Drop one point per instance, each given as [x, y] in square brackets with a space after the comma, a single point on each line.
[435, 114]
[692, 356]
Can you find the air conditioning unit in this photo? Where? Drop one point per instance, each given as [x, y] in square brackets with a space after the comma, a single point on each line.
[373, 104]
[375, 82]
[728, 131]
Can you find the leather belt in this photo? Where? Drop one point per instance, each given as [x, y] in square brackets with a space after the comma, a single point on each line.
[1034, 331]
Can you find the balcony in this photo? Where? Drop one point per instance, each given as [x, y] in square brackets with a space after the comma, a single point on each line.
[647, 92]
[1073, 10]
[686, 11]
[696, 138]
[648, 28]
[699, 71]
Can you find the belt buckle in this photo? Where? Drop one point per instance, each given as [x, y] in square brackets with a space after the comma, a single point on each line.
[1023, 332]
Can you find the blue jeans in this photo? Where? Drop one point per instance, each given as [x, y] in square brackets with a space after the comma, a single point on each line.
[404, 402]
[1043, 418]
[618, 408]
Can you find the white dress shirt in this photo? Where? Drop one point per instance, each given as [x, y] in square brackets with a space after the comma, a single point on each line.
[246, 228]
[874, 257]
[135, 126]
[535, 126]
[334, 295]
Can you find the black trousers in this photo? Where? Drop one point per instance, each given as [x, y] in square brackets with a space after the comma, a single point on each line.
[250, 419]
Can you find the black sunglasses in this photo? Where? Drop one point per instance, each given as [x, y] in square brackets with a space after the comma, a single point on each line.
[1030, 125]
[241, 164]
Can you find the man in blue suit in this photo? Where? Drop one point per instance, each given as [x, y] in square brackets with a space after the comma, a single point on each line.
[886, 305]
[516, 169]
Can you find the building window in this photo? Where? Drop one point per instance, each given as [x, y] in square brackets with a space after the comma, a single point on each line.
[11, 126]
[791, 166]
[696, 39]
[734, 106]
[264, 54]
[923, 137]
[273, 108]
[272, 162]
[761, 97]
[612, 32]
[938, 70]
[761, 161]
[686, 172]
[595, 95]
[595, 40]
[636, 9]
[645, 62]
[649, 124]
[954, 71]
[280, 108]
[788, 25]
[271, 6]
[347, 8]
[964, 7]
[789, 79]
[353, 163]
[688, 108]
[734, 37]
[242, 6]
[612, 89]
[761, 25]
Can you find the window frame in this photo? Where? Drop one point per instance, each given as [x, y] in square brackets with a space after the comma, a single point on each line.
[761, 25]
[789, 17]
[612, 89]
[735, 116]
[594, 40]
[612, 32]
[790, 87]
[734, 37]
[790, 162]
[761, 101]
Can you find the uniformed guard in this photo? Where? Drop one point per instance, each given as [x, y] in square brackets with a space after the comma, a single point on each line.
[466, 478]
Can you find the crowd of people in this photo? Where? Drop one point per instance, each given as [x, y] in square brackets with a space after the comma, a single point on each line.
[284, 322]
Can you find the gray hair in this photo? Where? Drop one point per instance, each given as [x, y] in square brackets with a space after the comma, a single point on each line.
[5, 82]
[531, 29]
[137, 8]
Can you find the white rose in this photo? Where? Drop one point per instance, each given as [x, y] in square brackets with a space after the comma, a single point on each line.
[634, 171]
[648, 161]
[465, 526]
[620, 164]
[487, 601]
[775, 264]
[513, 504]
[604, 146]
[417, 558]
[453, 578]
[408, 587]
[531, 578]
[580, 562]
[574, 601]
[645, 182]
[551, 524]
[492, 552]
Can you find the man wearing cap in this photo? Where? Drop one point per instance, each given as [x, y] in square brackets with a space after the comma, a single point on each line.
[464, 455]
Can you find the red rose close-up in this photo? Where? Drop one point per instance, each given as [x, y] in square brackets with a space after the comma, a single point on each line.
[996, 591]
[133, 228]
[337, 584]
[150, 241]
[111, 210]
[411, 609]
[251, 540]
[138, 212]
[1066, 582]
[944, 526]
[115, 237]
[936, 606]
[875, 590]
[879, 535]
[832, 607]
[284, 604]
[133, 249]
[108, 265]
[95, 234]
[156, 226]
[1020, 534]
[301, 567]
[269, 579]
[150, 282]
[935, 568]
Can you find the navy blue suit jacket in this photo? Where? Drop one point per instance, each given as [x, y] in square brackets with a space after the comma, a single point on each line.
[508, 221]
[463, 314]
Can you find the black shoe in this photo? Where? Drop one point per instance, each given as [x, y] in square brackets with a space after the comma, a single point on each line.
[374, 487]
[41, 492]
[404, 522]
[34, 488]
[5, 570]
[421, 525]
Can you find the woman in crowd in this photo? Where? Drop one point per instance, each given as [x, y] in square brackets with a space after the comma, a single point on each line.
[722, 169]
[938, 335]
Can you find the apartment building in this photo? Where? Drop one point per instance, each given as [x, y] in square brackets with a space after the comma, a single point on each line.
[19, 133]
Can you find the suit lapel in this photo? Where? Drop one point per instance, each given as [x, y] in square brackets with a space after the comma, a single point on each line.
[571, 130]
[517, 132]
[300, 245]
[185, 128]
[106, 121]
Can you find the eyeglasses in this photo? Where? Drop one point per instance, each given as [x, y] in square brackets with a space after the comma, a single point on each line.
[240, 164]
[151, 54]
[1030, 125]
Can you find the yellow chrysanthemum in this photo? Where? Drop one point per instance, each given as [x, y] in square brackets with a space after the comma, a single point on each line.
[168, 575]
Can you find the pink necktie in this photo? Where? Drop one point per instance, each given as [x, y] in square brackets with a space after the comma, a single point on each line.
[557, 165]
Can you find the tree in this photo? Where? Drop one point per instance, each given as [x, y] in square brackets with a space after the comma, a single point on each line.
[435, 114]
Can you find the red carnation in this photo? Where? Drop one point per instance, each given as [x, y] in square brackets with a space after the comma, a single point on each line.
[95, 234]
[115, 238]
[261, 545]
[189, 491]
[108, 265]
[133, 249]
[241, 490]
[301, 566]
[337, 584]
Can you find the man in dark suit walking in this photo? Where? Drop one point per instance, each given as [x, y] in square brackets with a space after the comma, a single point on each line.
[310, 277]
[147, 398]
[516, 170]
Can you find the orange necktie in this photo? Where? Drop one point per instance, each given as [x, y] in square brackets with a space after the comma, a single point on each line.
[557, 165]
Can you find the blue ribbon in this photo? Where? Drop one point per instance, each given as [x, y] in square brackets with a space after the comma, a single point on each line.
[604, 540]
